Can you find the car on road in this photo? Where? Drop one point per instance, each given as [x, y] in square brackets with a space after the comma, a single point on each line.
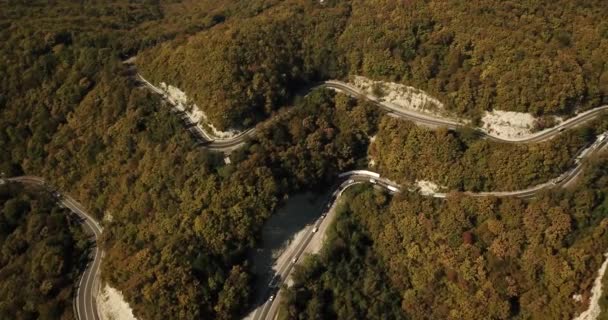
[273, 282]
[294, 260]
[350, 181]
[315, 229]
[372, 181]
[271, 298]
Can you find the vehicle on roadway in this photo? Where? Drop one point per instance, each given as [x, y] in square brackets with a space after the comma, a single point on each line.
[315, 229]
[273, 282]
[393, 189]
[372, 181]
[271, 298]
[350, 181]
[294, 260]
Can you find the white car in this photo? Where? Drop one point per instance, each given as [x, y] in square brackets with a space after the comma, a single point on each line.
[350, 181]
[294, 260]
[315, 229]
[271, 298]
[372, 181]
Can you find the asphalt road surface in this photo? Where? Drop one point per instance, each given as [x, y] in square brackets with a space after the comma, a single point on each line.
[229, 144]
[85, 304]
[268, 310]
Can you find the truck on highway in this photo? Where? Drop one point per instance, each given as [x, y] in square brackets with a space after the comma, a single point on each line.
[393, 189]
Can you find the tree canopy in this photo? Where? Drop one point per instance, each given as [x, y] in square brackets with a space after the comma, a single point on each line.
[41, 255]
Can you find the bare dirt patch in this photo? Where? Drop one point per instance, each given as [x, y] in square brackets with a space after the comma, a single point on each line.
[596, 292]
[112, 305]
[405, 97]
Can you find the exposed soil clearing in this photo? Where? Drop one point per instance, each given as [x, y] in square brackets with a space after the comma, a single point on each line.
[596, 292]
[112, 305]
[427, 187]
[196, 115]
[402, 96]
[509, 124]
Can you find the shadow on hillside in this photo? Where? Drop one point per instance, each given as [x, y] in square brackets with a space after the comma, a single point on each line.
[297, 212]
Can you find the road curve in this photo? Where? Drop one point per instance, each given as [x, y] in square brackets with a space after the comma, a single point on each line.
[228, 144]
[203, 137]
[268, 310]
[430, 120]
[88, 286]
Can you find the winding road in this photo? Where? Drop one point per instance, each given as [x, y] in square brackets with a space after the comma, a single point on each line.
[89, 284]
[85, 304]
[228, 144]
[269, 308]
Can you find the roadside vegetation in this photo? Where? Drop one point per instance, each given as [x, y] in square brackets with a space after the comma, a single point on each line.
[42, 250]
[464, 161]
[128, 160]
[544, 58]
[177, 220]
[469, 258]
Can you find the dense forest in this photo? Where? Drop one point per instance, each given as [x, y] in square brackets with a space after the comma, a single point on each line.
[178, 220]
[465, 161]
[544, 57]
[468, 258]
[41, 253]
[121, 152]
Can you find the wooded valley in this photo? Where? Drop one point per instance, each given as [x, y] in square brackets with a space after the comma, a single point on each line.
[178, 221]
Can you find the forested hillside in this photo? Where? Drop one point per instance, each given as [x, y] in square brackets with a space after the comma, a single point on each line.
[242, 70]
[464, 161]
[178, 221]
[468, 258]
[544, 57]
[118, 150]
[41, 255]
